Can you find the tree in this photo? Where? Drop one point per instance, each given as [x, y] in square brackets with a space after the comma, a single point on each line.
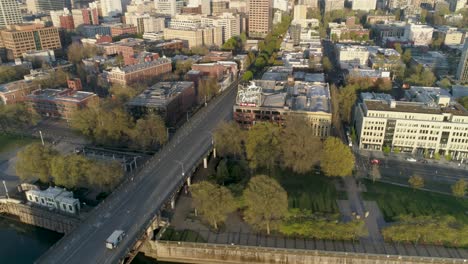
[16, 118]
[416, 181]
[406, 56]
[262, 145]
[464, 101]
[182, 67]
[445, 83]
[122, 93]
[34, 161]
[398, 48]
[337, 158]
[300, 148]
[207, 89]
[386, 150]
[214, 202]
[459, 188]
[247, 76]
[346, 99]
[105, 175]
[9, 73]
[228, 139]
[222, 172]
[326, 63]
[149, 132]
[266, 202]
[70, 171]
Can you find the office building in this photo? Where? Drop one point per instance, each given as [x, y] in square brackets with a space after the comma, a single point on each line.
[352, 55]
[365, 5]
[54, 198]
[206, 36]
[167, 7]
[10, 13]
[90, 31]
[427, 122]
[145, 23]
[139, 72]
[45, 6]
[18, 39]
[300, 12]
[314, 4]
[230, 24]
[260, 18]
[271, 101]
[462, 70]
[111, 8]
[170, 100]
[420, 35]
[330, 5]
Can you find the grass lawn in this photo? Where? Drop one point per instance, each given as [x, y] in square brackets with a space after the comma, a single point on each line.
[395, 200]
[10, 142]
[311, 191]
[185, 235]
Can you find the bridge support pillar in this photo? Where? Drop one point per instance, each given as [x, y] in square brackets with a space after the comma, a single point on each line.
[205, 163]
[173, 202]
[189, 181]
[214, 152]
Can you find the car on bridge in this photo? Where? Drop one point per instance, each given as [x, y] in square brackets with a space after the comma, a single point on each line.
[411, 159]
[114, 239]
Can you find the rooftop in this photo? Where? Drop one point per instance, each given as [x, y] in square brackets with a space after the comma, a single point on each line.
[144, 65]
[60, 95]
[160, 94]
[14, 86]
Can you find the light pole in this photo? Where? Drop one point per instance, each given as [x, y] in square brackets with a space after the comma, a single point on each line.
[182, 165]
[6, 190]
[42, 138]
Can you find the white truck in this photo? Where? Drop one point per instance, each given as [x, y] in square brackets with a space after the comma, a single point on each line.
[114, 239]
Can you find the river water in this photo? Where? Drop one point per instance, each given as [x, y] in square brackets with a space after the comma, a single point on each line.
[23, 244]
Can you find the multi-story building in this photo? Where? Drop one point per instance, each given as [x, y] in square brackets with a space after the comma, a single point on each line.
[167, 7]
[139, 72]
[18, 39]
[123, 29]
[170, 100]
[462, 70]
[420, 35]
[450, 35]
[268, 101]
[203, 36]
[59, 103]
[382, 32]
[455, 5]
[310, 3]
[352, 55]
[66, 21]
[230, 23]
[145, 23]
[15, 92]
[90, 31]
[54, 198]
[111, 8]
[374, 19]
[45, 6]
[10, 13]
[365, 5]
[428, 122]
[260, 18]
[219, 7]
[300, 12]
[330, 5]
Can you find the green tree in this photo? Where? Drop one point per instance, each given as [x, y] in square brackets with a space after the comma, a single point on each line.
[212, 201]
[122, 93]
[300, 149]
[263, 145]
[228, 139]
[459, 188]
[346, 99]
[222, 172]
[105, 175]
[445, 83]
[266, 202]
[149, 132]
[326, 63]
[406, 56]
[247, 76]
[16, 118]
[9, 73]
[34, 161]
[70, 171]
[416, 181]
[337, 158]
[386, 150]
[464, 101]
[207, 89]
[398, 48]
[182, 67]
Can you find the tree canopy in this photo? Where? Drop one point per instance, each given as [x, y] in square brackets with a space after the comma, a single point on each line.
[416, 181]
[228, 139]
[459, 188]
[9, 73]
[263, 145]
[337, 158]
[34, 162]
[266, 202]
[16, 118]
[214, 202]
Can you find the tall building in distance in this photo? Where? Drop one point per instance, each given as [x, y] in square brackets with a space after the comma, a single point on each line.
[111, 7]
[330, 5]
[309, 3]
[260, 18]
[300, 12]
[10, 13]
[44, 6]
[462, 71]
[167, 7]
[365, 5]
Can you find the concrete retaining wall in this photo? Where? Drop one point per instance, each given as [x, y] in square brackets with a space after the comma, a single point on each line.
[199, 253]
[39, 217]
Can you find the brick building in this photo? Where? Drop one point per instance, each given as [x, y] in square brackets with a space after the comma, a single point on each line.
[123, 29]
[18, 39]
[218, 70]
[171, 100]
[66, 22]
[139, 72]
[15, 92]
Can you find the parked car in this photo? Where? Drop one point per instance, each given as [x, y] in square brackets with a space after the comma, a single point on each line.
[423, 160]
[114, 239]
[411, 159]
[375, 162]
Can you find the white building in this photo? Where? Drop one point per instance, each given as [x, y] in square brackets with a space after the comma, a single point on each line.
[455, 5]
[55, 17]
[421, 35]
[428, 122]
[309, 3]
[167, 7]
[230, 23]
[352, 55]
[281, 5]
[111, 7]
[77, 17]
[145, 22]
[330, 5]
[55, 198]
[10, 13]
[365, 5]
[300, 12]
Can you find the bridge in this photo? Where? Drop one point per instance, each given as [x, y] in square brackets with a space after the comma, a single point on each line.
[136, 204]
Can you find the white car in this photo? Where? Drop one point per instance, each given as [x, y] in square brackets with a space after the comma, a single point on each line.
[411, 159]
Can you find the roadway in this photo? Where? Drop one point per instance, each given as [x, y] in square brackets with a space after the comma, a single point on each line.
[136, 202]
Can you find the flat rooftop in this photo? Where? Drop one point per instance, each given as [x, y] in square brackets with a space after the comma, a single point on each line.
[60, 95]
[160, 94]
[14, 86]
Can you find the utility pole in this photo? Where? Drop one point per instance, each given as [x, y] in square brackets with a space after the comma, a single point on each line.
[42, 138]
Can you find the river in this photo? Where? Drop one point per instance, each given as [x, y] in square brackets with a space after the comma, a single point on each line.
[23, 244]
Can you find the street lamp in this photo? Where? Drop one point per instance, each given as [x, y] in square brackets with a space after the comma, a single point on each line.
[182, 165]
[6, 190]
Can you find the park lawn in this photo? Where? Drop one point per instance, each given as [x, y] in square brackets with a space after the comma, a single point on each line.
[10, 142]
[395, 200]
[310, 191]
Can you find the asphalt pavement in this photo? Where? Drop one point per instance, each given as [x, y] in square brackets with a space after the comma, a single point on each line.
[133, 205]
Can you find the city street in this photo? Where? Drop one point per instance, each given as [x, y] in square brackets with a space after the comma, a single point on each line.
[135, 203]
